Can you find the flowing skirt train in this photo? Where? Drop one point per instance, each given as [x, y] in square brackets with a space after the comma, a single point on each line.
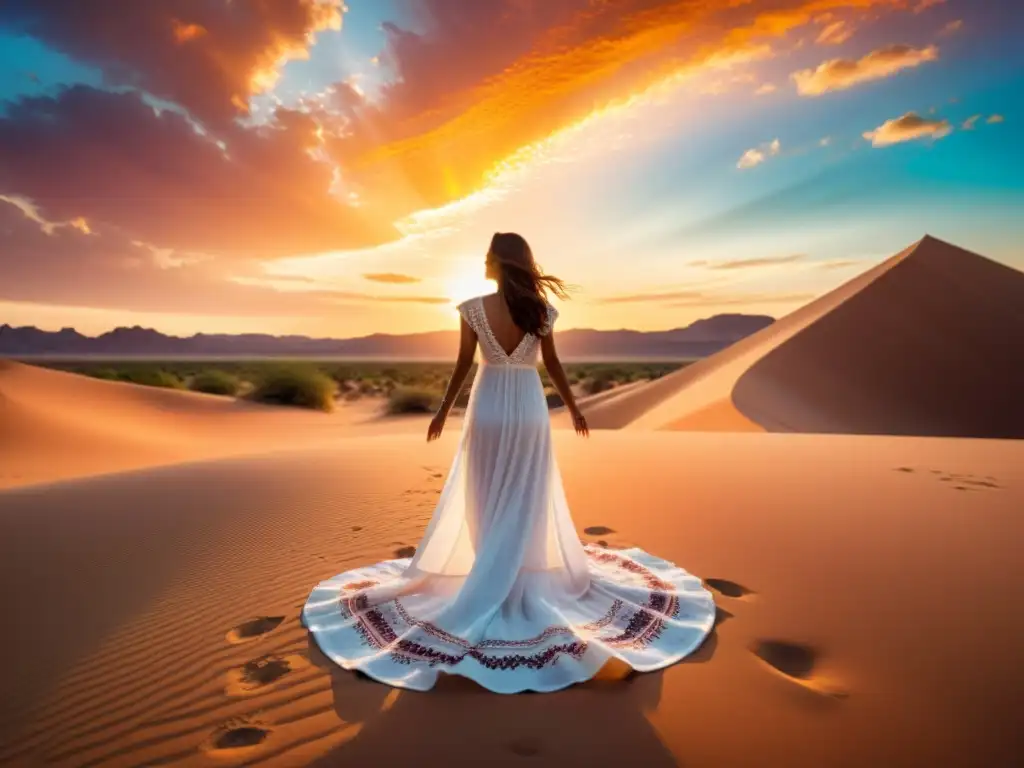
[501, 590]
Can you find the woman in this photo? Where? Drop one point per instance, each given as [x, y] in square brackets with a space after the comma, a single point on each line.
[501, 590]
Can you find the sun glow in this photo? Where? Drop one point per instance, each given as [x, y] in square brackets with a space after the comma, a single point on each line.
[466, 286]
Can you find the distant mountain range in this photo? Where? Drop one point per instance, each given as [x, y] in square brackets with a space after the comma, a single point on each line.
[702, 338]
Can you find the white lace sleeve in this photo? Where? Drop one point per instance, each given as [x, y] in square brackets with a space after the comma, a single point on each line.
[549, 324]
[468, 311]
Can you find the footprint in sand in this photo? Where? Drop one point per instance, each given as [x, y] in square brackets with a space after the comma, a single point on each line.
[524, 748]
[604, 530]
[237, 737]
[970, 482]
[405, 551]
[959, 481]
[357, 528]
[729, 588]
[253, 629]
[259, 673]
[796, 662]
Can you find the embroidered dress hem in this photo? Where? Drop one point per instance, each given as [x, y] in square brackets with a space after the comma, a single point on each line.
[639, 609]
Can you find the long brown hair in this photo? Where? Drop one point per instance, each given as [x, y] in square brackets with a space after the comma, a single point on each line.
[523, 284]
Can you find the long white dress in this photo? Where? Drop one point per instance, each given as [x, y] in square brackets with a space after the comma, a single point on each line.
[501, 590]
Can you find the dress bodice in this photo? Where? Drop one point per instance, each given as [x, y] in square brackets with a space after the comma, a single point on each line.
[490, 349]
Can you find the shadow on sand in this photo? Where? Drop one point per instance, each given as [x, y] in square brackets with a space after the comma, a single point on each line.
[601, 722]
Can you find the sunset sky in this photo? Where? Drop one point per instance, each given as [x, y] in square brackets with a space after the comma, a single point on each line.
[330, 169]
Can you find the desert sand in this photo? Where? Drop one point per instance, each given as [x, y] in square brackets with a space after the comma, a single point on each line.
[156, 549]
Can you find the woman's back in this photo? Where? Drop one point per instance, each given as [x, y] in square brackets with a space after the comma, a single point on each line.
[501, 341]
[508, 335]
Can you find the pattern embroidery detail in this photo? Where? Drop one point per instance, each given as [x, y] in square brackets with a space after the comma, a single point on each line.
[524, 354]
[387, 627]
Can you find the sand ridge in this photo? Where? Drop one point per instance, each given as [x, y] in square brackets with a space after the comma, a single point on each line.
[926, 343]
[58, 425]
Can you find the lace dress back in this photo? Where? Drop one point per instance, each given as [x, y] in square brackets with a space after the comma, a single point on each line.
[501, 589]
[490, 349]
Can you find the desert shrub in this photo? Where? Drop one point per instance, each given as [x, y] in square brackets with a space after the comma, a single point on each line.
[107, 374]
[599, 382]
[300, 386]
[624, 375]
[151, 377]
[576, 374]
[412, 400]
[215, 382]
[554, 399]
[341, 373]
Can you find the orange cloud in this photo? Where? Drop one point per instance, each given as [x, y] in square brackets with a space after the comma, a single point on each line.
[643, 298]
[836, 33]
[696, 298]
[908, 127]
[841, 264]
[185, 32]
[426, 149]
[954, 26]
[391, 278]
[839, 74]
[81, 225]
[995, 119]
[766, 261]
[32, 213]
[745, 299]
[461, 109]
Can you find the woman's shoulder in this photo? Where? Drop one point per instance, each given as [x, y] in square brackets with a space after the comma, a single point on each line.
[472, 310]
[468, 304]
[549, 321]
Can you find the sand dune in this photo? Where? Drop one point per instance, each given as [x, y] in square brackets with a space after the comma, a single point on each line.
[868, 591]
[58, 425]
[927, 343]
[591, 403]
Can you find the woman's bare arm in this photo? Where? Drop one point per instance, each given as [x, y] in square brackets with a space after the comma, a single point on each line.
[558, 378]
[467, 348]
